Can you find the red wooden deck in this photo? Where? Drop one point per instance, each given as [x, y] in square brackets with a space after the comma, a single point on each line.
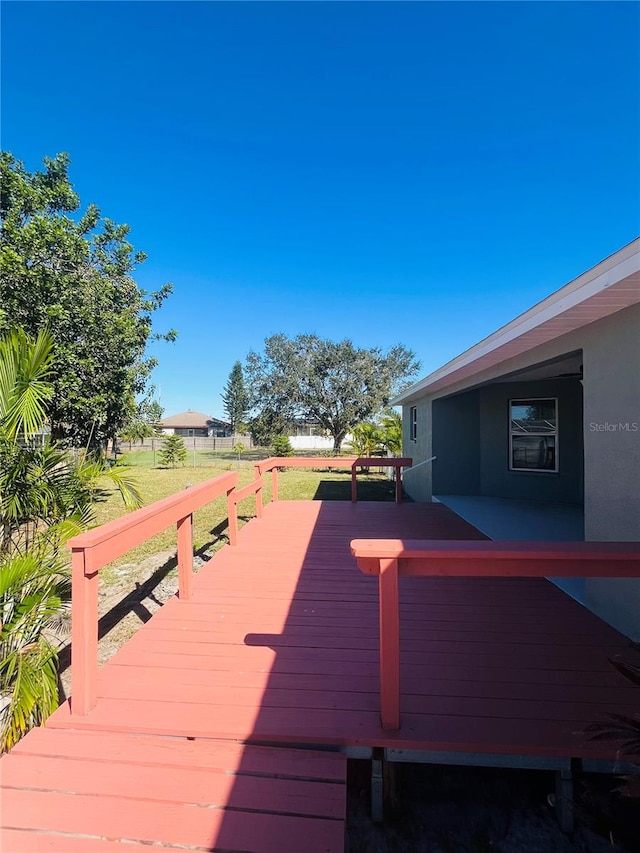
[69, 791]
[279, 645]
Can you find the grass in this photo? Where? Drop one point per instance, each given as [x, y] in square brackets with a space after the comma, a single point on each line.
[210, 523]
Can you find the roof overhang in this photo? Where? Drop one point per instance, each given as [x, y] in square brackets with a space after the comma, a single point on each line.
[610, 286]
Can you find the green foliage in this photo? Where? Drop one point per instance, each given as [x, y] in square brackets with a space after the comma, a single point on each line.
[142, 422]
[367, 439]
[234, 398]
[281, 446]
[335, 384]
[391, 428]
[137, 430]
[266, 425]
[46, 495]
[623, 728]
[173, 450]
[73, 274]
[34, 602]
[239, 449]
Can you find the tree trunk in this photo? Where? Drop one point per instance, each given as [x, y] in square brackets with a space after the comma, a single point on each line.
[338, 438]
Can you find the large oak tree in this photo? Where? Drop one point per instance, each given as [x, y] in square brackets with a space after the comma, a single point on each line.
[335, 384]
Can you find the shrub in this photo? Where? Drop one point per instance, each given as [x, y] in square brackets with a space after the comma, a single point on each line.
[281, 446]
[173, 450]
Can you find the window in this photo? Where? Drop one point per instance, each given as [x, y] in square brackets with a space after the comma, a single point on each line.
[533, 435]
[413, 423]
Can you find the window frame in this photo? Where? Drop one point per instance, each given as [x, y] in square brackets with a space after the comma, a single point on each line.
[413, 423]
[555, 434]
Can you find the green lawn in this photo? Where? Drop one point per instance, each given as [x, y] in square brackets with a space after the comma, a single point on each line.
[210, 523]
[202, 458]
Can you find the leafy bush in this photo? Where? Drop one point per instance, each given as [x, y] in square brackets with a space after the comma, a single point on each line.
[173, 450]
[367, 440]
[46, 495]
[281, 446]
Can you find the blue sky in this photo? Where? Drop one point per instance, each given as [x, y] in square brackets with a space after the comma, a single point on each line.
[388, 172]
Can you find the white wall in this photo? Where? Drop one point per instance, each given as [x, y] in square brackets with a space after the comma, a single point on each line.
[314, 442]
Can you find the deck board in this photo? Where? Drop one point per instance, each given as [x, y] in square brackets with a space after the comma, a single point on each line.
[89, 791]
[279, 645]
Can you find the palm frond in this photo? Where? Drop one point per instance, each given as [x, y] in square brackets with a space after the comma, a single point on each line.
[25, 366]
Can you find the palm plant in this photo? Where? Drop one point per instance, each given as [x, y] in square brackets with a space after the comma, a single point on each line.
[392, 432]
[46, 495]
[623, 728]
[34, 603]
[366, 439]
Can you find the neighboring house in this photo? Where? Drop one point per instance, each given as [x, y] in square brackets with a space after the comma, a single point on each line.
[538, 425]
[195, 424]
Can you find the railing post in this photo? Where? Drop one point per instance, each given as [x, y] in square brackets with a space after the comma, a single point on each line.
[84, 634]
[389, 645]
[274, 484]
[354, 484]
[398, 471]
[185, 556]
[232, 514]
[259, 501]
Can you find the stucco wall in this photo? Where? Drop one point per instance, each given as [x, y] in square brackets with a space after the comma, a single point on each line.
[611, 396]
[612, 455]
[418, 483]
[456, 444]
[496, 480]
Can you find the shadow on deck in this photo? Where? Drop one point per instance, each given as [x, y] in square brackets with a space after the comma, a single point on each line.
[278, 648]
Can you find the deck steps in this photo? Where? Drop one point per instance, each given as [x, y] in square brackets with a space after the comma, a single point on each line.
[67, 791]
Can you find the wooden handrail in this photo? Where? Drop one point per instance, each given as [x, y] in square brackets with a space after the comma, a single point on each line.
[92, 550]
[234, 498]
[274, 463]
[392, 558]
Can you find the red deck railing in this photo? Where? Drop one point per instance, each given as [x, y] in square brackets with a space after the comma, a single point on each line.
[392, 558]
[274, 463]
[94, 549]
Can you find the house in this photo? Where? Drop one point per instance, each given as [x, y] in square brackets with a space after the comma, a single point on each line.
[535, 430]
[195, 424]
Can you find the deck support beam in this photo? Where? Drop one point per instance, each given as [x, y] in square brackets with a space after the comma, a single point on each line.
[377, 786]
[564, 799]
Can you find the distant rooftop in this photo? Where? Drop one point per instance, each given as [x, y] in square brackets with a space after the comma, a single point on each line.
[192, 420]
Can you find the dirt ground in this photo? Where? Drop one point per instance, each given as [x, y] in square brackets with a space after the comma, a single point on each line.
[477, 810]
[437, 809]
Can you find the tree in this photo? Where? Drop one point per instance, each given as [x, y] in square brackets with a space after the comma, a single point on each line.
[282, 446]
[143, 421]
[336, 384]
[73, 273]
[46, 495]
[234, 397]
[42, 486]
[173, 450]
